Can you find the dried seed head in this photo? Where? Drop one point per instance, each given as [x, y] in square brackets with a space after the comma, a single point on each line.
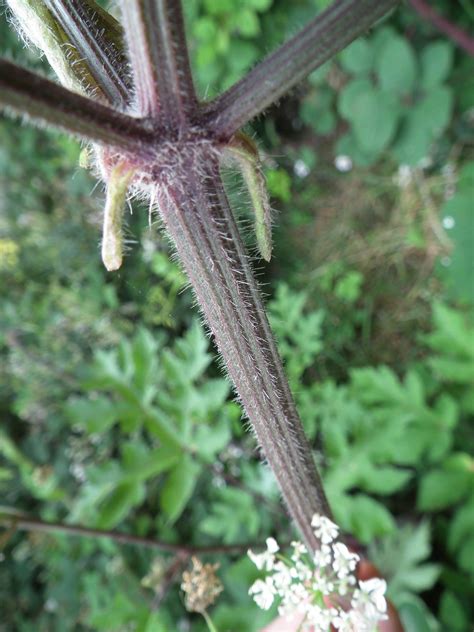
[201, 585]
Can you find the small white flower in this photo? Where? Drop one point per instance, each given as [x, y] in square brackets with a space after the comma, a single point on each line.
[301, 571]
[368, 604]
[282, 577]
[323, 557]
[375, 588]
[345, 562]
[324, 529]
[266, 560]
[299, 550]
[263, 593]
[272, 545]
[322, 583]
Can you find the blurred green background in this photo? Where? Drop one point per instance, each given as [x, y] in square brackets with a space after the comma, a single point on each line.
[370, 165]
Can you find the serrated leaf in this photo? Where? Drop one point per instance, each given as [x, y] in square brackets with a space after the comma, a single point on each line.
[179, 487]
[399, 556]
[210, 440]
[144, 348]
[94, 415]
[231, 515]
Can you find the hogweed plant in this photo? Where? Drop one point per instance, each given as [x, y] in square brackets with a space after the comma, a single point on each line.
[127, 91]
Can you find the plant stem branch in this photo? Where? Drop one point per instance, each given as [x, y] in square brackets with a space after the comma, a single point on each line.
[321, 39]
[456, 34]
[49, 103]
[98, 39]
[159, 58]
[198, 218]
[24, 522]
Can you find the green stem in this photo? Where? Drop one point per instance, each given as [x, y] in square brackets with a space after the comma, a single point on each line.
[210, 624]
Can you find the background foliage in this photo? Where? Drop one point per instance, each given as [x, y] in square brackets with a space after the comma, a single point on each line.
[114, 413]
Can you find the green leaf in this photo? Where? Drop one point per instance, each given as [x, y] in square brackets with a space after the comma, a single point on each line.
[459, 274]
[396, 66]
[465, 556]
[119, 503]
[374, 117]
[414, 617]
[347, 145]
[368, 518]
[358, 57]
[210, 440]
[400, 556]
[436, 62]
[442, 488]
[95, 415]
[433, 113]
[140, 463]
[461, 526]
[144, 348]
[412, 143]
[385, 480]
[349, 95]
[233, 517]
[179, 487]
[452, 613]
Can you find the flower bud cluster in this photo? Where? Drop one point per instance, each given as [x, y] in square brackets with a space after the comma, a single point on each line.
[323, 587]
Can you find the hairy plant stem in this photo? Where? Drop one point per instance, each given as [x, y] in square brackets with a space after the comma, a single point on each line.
[198, 218]
[47, 102]
[321, 39]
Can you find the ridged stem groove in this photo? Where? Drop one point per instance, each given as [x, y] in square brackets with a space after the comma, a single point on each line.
[198, 218]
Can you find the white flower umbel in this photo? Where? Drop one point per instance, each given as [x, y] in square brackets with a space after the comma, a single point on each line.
[323, 587]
